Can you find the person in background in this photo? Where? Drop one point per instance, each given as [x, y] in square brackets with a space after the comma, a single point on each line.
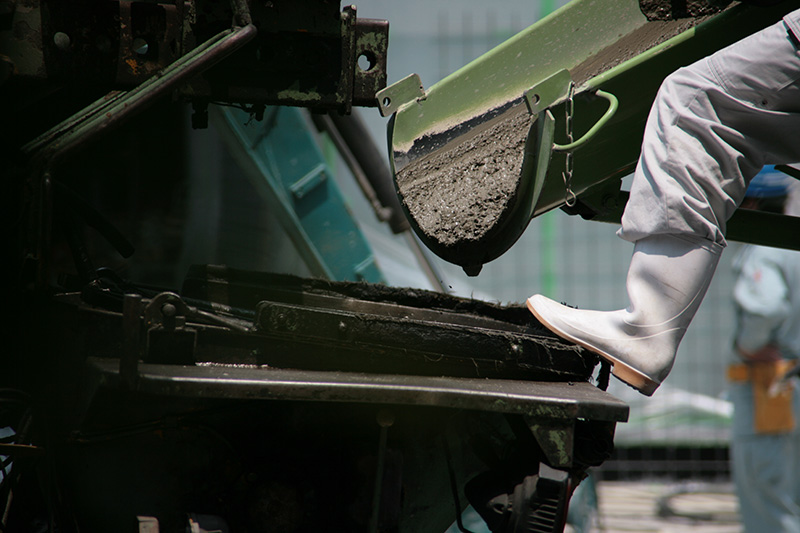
[712, 126]
[765, 437]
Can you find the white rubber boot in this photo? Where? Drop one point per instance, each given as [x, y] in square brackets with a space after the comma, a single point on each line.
[667, 280]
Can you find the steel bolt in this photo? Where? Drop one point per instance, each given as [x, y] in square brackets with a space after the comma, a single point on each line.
[62, 40]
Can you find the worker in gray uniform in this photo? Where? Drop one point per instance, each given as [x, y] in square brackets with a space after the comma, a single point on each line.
[711, 128]
[765, 437]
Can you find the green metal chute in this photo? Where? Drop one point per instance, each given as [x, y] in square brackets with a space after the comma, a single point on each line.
[581, 61]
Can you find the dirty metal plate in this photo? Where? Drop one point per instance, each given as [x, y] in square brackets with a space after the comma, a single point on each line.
[536, 399]
[372, 334]
[362, 327]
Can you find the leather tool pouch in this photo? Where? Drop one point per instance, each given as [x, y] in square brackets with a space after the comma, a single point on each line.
[772, 405]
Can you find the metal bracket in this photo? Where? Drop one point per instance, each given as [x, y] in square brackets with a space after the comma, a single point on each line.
[129, 362]
[167, 334]
[166, 310]
[399, 94]
[371, 44]
[548, 92]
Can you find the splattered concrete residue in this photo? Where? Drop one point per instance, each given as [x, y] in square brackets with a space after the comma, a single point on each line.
[676, 9]
[459, 193]
[667, 19]
[637, 42]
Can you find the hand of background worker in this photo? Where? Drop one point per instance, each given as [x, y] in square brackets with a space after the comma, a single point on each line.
[767, 354]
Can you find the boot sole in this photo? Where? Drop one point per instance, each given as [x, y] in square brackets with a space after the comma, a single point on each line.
[625, 373]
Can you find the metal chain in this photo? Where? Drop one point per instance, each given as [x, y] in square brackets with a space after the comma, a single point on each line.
[569, 195]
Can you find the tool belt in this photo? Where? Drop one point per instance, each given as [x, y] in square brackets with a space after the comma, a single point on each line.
[772, 401]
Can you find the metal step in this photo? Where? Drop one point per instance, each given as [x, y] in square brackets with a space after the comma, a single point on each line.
[566, 401]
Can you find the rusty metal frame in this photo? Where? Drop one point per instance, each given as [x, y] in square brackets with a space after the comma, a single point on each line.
[107, 113]
[117, 107]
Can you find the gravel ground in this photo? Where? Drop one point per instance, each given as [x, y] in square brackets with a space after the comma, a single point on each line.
[652, 507]
[634, 507]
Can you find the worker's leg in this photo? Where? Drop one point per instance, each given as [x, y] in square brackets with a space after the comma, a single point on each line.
[764, 470]
[711, 129]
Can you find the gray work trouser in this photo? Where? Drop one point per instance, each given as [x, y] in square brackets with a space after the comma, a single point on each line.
[766, 468]
[712, 127]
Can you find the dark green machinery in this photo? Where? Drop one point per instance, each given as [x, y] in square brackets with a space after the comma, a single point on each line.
[235, 399]
[134, 397]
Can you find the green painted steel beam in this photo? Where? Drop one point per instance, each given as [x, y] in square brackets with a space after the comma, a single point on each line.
[561, 40]
[613, 152]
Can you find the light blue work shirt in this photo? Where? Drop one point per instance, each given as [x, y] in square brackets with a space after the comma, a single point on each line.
[767, 296]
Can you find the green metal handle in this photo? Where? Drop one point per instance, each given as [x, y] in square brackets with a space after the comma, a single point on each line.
[613, 104]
